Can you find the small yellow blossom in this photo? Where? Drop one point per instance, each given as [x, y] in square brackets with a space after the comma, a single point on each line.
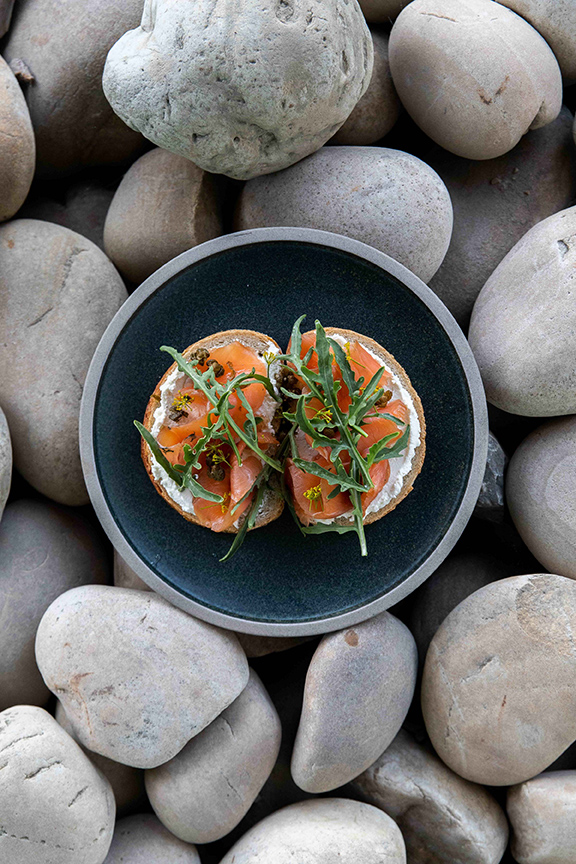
[314, 496]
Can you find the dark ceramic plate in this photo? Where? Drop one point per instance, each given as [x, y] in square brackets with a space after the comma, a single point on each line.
[281, 583]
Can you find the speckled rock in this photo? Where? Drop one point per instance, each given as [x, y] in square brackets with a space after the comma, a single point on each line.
[540, 492]
[56, 806]
[496, 201]
[381, 11]
[143, 839]
[65, 46]
[127, 783]
[443, 818]
[137, 677]
[44, 551]
[490, 503]
[6, 7]
[358, 690]
[461, 574]
[17, 147]
[498, 692]
[58, 293]
[385, 198]
[522, 328]
[163, 206]
[555, 20]
[5, 461]
[125, 577]
[296, 73]
[378, 109]
[204, 792]
[543, 816]
[473, 75]
[83, 210]
[317, 832]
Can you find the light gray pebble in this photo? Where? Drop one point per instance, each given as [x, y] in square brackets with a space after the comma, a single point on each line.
[555, 20]
[17, 144]
[143, 839]
[5, 461]
[542, 812]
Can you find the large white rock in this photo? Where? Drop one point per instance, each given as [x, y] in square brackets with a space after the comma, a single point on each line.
[358, 691]
[523, 323]
[143, 839]
[543, 816]
[555, 20]
[443, 818]
[17, 145]
[5, 461]
[244, 88]
[137, 677]
[322, 831]
[56, 807]
[386, 198]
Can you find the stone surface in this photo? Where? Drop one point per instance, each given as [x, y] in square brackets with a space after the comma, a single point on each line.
[207, 788]
[56, 807]
[473, 75]
[44, 551]
[555, 20]
[490, 503]
[522, 328]
[17, 147]
[496, 201]
[461, 574]
[163, 206]
[6, 7]
[58, 293]
[143, 839]
[543, 816]
[443, 818]
[137, 677]
[260, 646]
[378, 109]
[498, 692]
[296, 73]
[358, 690]
[5, 461]
[127, 783]
[125, 577]
[540, 492]
[318, 832]
[385, 198]
[65, 46]
[381, 11]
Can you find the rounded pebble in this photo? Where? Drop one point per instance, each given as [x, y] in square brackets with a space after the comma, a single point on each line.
[381, 11]
[555, 20]
[143, 839]
[542, 813]
[17, 146]
[5, 461]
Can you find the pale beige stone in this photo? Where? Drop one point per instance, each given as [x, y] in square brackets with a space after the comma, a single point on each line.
[17, 146]
[555, 20]
[143, 839]
[542, 812]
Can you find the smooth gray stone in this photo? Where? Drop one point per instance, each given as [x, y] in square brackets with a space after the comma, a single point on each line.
[6, 7]
[207, 788]
[541, 494]
[381, 11]
[555, 20]
[84, 210]
[321, 831]
[5, 461]
[17, 147]
[386, 198]
[443, 818]
[298, 71]
[44, 551]
[58, 294]
[138, 678]
[358, 691]
[490, 504]
[57, 808]
[542, 812]
[498, 694]
[143, 839]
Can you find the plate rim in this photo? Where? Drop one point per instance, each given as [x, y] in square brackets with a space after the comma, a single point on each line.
[459, 342]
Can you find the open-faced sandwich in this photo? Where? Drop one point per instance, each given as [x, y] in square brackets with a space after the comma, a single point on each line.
[235, 427]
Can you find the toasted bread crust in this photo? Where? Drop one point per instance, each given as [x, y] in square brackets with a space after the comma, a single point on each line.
[273, 503]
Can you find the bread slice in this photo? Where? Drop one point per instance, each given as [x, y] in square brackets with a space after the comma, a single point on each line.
[272, 503]
[398, 371]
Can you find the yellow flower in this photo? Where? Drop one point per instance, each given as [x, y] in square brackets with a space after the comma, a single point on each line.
[324, 414]
[314, 496]
[181, 401]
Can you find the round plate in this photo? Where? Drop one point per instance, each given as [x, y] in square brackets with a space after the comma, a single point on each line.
[281, 583]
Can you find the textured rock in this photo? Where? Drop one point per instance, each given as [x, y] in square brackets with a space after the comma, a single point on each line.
[127, 783]
[163, 206]
[496, 202]
[5, 461]
[443, 818]
[473, 75]
[498, 689]
[144, 840]
[381, 11]
[358, 690]
[385, 198]
[58, 293]
[207, 788]
[125, 577]
[6, 7]
[137, 677]
[318, 831]
[65, 47]
[56, 807]
[17, 147]
[490, 503]
[84, 210]
[540, 492]
[296, 73]
[378, 109]
[555, 20]
[522, 328]
[44, 551]
[543, 816]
